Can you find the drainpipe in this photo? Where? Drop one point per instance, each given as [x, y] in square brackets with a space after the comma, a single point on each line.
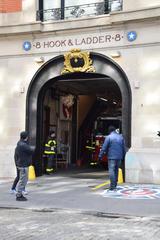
[62, 9]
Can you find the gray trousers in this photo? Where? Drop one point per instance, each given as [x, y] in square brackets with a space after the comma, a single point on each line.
[23, 179]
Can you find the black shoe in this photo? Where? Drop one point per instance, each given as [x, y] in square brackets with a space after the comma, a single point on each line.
[21, 198]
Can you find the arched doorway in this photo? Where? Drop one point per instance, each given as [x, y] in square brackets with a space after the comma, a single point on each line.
[50, 74]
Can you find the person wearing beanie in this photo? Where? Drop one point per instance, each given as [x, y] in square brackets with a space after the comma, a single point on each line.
[23, 159]
[115, 149]
[23, 135]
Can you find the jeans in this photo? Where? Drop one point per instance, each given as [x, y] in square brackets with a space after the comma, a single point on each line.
[23, 179]
[15, 180]
[113, 165]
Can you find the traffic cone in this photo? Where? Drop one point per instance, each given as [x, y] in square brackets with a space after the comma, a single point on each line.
[31, 173]
[120, 176]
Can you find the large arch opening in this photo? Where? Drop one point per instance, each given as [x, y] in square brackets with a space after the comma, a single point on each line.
[105, 96]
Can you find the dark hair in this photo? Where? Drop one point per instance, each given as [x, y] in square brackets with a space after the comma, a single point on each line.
[51, 132]
[111, 129]
[23, 135]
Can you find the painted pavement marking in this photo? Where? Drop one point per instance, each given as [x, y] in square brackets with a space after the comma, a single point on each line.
[101, 185]
[134, 192]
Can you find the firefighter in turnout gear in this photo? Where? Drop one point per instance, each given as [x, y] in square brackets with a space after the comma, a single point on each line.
[90, 147]
[50, 152]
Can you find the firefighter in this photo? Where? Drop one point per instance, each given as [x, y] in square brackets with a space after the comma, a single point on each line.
[90, 146]
[50, 152]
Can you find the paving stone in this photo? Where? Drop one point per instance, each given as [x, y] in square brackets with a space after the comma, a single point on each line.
[71, 225]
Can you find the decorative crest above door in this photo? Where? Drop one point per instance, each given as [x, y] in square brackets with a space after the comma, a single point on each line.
[77, 61]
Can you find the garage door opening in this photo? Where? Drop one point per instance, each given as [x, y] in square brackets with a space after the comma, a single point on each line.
[81, 128]
[99, 99]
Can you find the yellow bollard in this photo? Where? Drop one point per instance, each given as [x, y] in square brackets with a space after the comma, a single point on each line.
[120, 176]
[31, 173]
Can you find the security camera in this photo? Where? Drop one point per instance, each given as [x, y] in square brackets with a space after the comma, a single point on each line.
[158, 133]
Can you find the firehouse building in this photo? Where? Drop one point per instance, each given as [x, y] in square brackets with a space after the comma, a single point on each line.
[77, 68]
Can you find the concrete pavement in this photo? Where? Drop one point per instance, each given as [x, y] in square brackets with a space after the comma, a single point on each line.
[74, 191]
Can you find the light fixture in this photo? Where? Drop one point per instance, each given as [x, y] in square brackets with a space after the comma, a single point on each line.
[136, 84]
[39, 60]
[22, 89]
[103, 99]
[115, 54]
[17, 88]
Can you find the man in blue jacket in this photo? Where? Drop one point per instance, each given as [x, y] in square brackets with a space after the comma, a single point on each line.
[114, 148]
[23, 159]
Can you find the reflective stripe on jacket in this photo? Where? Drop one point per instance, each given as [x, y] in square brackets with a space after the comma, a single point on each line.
[50, 147]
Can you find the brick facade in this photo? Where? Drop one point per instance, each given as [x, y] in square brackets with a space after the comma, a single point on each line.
[8, 6]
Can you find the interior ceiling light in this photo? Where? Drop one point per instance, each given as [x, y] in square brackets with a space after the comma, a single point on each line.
[103, 99]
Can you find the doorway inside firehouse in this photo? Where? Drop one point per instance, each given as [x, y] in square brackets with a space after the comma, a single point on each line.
[80, 108]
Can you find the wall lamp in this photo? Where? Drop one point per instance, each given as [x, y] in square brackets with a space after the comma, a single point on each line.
[39, 60]
[115, 54]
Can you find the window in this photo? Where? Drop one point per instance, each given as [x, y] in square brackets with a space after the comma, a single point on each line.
[64, 9]
[52, 10]
[80, 8]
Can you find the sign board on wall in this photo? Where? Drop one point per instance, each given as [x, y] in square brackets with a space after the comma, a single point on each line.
[63, 43]
[83, 41]
[98, 40]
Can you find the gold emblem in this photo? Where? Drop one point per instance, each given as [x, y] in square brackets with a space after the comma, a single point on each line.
[77, 61]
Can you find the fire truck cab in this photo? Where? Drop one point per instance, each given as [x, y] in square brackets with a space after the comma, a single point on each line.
[96, 139]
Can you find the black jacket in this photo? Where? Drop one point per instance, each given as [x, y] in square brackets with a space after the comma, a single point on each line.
[23, 154]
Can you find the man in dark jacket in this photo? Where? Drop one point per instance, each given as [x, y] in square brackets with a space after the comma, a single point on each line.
[114, 147]
[23, 159]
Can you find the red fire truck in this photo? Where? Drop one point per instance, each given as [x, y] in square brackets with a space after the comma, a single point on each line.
[96, 140]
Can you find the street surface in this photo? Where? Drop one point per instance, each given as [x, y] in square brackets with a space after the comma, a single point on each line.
[71, 225]
[69, 206]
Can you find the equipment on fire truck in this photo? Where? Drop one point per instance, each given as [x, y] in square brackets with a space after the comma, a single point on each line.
[99, 140]
[93, 146]
[95, 138]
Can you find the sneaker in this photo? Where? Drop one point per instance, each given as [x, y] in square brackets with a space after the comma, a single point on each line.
[13, 191]
[111, 190]
[25, 192]
[21, 198]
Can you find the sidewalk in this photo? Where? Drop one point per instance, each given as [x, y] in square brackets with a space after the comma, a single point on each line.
[75, 192]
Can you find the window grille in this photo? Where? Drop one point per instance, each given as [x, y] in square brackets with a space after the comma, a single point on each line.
[78, 11]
